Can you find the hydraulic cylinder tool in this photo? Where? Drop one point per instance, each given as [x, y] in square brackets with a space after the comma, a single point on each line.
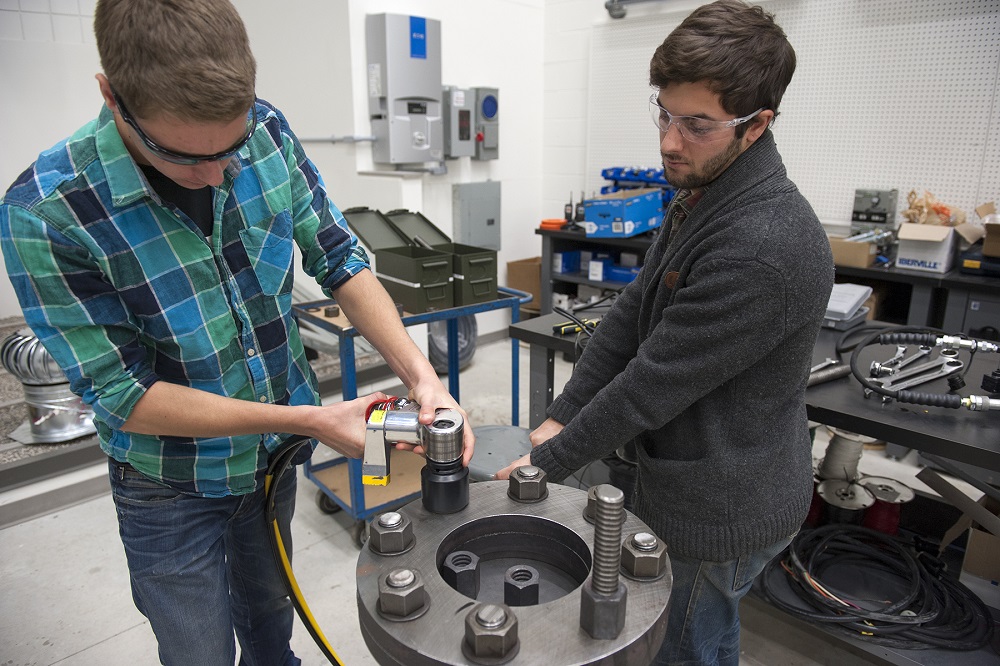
[444, 481]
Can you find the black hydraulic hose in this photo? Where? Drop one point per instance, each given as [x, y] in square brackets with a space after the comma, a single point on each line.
[918, 335]
[934, 610]
[275, 469]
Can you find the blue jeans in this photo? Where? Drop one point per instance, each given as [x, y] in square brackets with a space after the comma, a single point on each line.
[703, 625]
[202, 568]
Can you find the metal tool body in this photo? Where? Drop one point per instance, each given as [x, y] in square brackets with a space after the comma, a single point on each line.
[444, 481]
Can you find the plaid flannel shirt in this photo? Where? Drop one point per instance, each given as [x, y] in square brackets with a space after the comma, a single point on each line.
[124, 290]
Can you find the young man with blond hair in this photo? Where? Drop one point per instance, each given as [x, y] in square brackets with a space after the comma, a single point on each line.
[702, 362]
[152, 254]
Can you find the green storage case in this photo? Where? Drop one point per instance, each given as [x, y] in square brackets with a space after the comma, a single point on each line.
[475, 268]
[418, 278]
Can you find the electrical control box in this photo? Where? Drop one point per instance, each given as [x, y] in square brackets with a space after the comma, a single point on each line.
[487, 124]
[458, 106]
[874, 210]
[475, 213]
[404, 88]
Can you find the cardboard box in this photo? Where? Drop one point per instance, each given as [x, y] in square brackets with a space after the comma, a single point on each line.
[981, 566]
[925, 247]
[852, 253]
[623, 214]
[991, 243]
[526, 275]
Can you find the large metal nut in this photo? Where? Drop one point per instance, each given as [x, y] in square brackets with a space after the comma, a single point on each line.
[602, 616]
[461, 571]
[520, 586]
[491, 631]
[401, 592]
[527, 484]
[644, 556]
[390, 534]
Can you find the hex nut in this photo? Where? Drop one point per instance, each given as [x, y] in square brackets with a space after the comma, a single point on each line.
[640, 562]
[401, 600]
[461, 571]
[527, 484]
[602, 616]
[486, 640]
[520, 586]
[388, 537]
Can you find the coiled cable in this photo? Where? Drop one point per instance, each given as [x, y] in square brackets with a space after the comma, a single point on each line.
[933, 610]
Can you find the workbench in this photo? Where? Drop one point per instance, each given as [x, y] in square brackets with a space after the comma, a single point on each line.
[960, 435]
[969, 437]
[338, 475]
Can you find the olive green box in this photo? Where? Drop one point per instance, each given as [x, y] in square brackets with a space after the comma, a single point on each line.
[475, 268]
[419, 278]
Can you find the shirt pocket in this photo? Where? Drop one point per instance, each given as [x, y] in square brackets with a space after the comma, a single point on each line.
[269, 245]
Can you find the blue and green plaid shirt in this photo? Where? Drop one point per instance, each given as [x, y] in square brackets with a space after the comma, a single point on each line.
[124, 290]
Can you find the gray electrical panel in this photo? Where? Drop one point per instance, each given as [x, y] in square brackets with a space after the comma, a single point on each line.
[404, 88]
[874, 210]
[475, 209]
[487, 124]
[458, 104]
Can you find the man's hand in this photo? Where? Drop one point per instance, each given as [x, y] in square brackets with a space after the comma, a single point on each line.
[341, 425]
[520, 462]
[431, 395]
[543, 433]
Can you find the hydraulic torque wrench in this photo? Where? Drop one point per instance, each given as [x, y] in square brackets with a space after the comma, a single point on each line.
[444, 481]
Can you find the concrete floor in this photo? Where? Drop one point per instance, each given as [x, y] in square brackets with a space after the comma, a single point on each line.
[66, 594]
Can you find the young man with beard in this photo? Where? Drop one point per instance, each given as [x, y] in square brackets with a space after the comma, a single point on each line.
[702, 362]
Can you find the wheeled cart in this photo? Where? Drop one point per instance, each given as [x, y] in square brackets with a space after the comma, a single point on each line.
[339, 479]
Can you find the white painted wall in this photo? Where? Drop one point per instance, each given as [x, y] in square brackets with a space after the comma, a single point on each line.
[311, 64]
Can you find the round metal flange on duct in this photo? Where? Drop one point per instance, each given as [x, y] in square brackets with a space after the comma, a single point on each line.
[550, 537]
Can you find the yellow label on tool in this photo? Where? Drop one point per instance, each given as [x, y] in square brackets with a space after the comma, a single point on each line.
[375, 480]
[377, 416]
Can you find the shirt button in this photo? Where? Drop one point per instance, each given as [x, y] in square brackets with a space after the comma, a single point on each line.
[251, 352]
[263, 398]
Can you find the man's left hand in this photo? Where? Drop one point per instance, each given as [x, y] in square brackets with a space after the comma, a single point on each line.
[431, 396]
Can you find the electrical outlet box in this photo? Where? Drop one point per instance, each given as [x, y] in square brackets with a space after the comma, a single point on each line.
[458, 105]
[487, 124]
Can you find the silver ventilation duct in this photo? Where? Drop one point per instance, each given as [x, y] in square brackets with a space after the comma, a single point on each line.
[55, 414]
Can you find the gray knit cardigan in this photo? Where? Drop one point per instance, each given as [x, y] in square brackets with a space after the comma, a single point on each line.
[703, 363]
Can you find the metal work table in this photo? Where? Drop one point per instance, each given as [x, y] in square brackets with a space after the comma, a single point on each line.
[961, 435]
[542, 350]
[969, 437]
[312, 312]
[958, 434]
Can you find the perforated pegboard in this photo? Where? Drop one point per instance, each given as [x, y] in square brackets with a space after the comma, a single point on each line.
[887, 94]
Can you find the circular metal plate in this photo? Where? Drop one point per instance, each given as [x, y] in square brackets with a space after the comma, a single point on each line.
[549, 633]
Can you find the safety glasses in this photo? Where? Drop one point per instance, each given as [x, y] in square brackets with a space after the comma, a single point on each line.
[692, 128]
[186, 159]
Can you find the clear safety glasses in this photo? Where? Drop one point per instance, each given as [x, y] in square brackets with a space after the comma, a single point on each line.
[692, 128]
[186, 159]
